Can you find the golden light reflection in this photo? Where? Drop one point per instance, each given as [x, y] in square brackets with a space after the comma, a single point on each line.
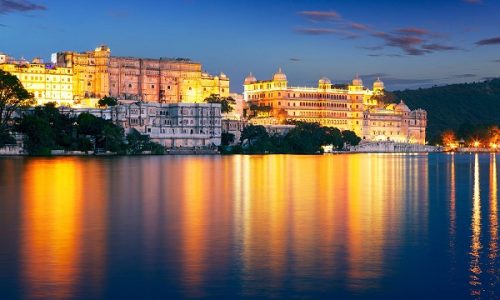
[452, 206]
[194, 228]
[476, 246]
[51, 228]
[333, 216]
[493, 245]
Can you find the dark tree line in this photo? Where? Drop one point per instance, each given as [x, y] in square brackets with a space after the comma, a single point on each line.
[46, 129]
[304, 138]
[462, 108]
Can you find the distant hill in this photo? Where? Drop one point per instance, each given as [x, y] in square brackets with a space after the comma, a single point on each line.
[450, 106]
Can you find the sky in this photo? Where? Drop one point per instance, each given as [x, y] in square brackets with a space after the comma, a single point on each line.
[408, 44]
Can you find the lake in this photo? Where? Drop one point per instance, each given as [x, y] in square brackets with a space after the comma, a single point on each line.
[371, 226]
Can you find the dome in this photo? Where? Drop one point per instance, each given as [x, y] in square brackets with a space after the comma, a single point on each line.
[378, 84]
[357, 81]
[205, 74]
[401, 106]
[250, 78]
[279, 76]
[222, 76]
[325, 80]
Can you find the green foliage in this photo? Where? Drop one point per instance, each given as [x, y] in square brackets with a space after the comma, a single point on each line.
[225, 102]
[350, 137]
[450, 106]
[139, 143]
[40, 135]
[255, 139]
[47, 129]
[307, 138]
[6, 139]
[304, 138]
[107, 101]
[12, 97]
[227, 138]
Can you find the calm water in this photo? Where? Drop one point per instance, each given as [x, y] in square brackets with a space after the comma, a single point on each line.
[350, 226]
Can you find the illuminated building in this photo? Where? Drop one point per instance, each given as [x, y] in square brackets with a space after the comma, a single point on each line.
[173, 125]
[347, 107]
[163, 80]
[90, 70]
[46, 82]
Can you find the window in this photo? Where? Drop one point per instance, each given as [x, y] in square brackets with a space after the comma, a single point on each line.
[129, 85]
[152, 86]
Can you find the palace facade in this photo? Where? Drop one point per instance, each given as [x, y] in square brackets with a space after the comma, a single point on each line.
[47, 82]
[163, 80]
[82, 78]
[174, 126]
[347, 107]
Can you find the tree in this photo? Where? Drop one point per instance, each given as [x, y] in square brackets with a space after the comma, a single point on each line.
[308, 138]
[107, 101]
[138, 143]
[350, 137]
[227, 138]
[12, 97]
[225, 102]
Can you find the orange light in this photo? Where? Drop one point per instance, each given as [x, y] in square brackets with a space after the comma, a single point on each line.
[476, 144]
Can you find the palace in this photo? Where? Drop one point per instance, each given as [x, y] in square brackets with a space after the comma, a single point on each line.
[163, 80]
[174, 126]
[347, 107]
[47, 82]
[80, 79]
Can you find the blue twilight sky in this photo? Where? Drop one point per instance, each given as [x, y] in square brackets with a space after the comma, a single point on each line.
[407, 43]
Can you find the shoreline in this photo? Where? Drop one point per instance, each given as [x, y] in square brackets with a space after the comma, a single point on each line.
[198, 153]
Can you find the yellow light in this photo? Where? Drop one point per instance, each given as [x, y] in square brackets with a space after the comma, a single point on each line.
[476, 144]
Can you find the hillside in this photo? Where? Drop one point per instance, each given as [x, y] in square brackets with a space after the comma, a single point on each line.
[452, 105]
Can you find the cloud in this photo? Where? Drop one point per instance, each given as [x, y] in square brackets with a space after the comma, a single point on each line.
[496, 60]
[490, 41]
[464, 76]
[372, 48]
[411, 40]
[358, 26]
[3, 25]
[412, 31]
[326, 31]
[407, 81]
[321, 16]
[293, 59]
[12, 6]
[374, 75]
[439, 47]
[409, 44]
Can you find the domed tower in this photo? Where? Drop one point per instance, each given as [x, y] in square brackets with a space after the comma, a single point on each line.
[280, 80]
[378, 85]
[356, 85]
[324, 83]
[250, 79]
[357, 81]
[279, 76]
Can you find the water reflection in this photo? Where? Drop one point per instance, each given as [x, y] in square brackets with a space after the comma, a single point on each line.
[51, 229]
[493, 245]
[476, 246]
[324, 222]
[452, 207]
[254, 226]
[63, 223]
